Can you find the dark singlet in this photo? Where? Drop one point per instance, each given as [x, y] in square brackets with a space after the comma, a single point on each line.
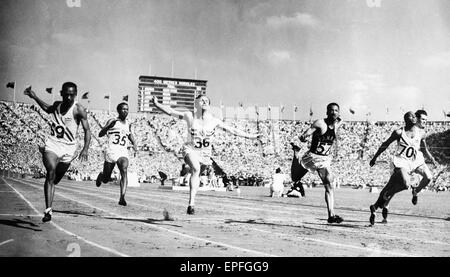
[321, 144]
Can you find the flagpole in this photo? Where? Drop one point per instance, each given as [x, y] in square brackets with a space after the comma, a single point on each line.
[15, 85]
[109, 103]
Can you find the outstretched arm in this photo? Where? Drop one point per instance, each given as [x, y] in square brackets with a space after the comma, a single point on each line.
[424, 149]
[394, 136]
[314, 127]
[46, 107]
[166, 109]
[82, 115]
[107, 126]
[237, 132]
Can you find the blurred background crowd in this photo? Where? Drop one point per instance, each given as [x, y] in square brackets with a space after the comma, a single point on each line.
[23, 128]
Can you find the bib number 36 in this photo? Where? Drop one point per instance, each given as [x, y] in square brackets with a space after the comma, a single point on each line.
[199, 142]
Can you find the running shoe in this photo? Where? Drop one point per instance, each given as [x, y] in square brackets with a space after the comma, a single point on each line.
[372, 214]
[384, 212]
[190, 210]
[47, 215]
[122, 202]
[335, 219]
[98, 182]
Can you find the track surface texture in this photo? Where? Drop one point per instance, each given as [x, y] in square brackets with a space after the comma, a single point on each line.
[88, 222]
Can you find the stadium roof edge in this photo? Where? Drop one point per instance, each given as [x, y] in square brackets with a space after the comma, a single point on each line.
[170, 78]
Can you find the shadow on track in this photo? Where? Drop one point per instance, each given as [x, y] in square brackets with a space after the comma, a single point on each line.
[18, 224]
[148, 220]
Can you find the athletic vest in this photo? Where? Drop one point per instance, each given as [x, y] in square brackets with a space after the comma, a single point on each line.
[199, 136]
[321, 144]
[407, 148]
[118, 135]
[64, 127]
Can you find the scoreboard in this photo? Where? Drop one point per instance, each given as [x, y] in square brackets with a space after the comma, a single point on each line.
[174, 92]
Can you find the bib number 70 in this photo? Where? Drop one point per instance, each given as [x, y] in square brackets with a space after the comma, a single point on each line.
[409, 151]
[199, 142]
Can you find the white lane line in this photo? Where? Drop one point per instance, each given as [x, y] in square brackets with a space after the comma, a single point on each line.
[66, 231]
[169, 230]
[6, 241]
[341, 229]
[380, 251]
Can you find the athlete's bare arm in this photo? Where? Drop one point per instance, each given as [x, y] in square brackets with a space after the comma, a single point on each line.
[236, 131]
[168, 110]
[394, 136]
[424, 149]
[81, 115]
[46, 107]
[318, 125]
[109, 124]
[133, 141]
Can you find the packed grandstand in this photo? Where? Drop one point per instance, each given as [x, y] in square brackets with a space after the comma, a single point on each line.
[245, 162]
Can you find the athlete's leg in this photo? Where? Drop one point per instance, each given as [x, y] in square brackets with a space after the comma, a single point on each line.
[297, 173]
[327, 180]
[122, 164]
[400, 183]
[193, 161]
[50, 163]
[426, 174]
[107, 171]
[61, 169]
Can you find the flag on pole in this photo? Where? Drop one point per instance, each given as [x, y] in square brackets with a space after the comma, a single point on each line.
[269, 108]
[256, 110]
[85, 95]
[387, 110]
[351, 111]
[295, 109]
[106, 96]
[241, 104]
[49, 90]
[125, 98]
[282, 109]
[311, 111]
[11, 84]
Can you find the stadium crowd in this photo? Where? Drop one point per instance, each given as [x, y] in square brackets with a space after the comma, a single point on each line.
[245, 162]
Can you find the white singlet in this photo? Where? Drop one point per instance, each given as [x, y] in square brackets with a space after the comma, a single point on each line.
[62, 140]
[117, 141]
[199, 139]
[406, 154]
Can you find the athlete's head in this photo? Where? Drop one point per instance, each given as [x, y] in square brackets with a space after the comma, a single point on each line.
[202, 102]
[122, 110]
[278, 170]
[410, 118]
[333, 111]
[422, 118]
[69, 92]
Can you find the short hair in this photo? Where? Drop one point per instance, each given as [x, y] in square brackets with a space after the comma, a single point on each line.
[278, 170]
[202, 95]
[333, 104]
[68, 85]
[405, 116]
[419, 113]
[120, 105]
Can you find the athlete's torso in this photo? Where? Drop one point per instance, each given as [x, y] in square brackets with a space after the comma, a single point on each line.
[200, 133]
[64, 127]
[321, 144]
[407, 146]
[118, 135]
